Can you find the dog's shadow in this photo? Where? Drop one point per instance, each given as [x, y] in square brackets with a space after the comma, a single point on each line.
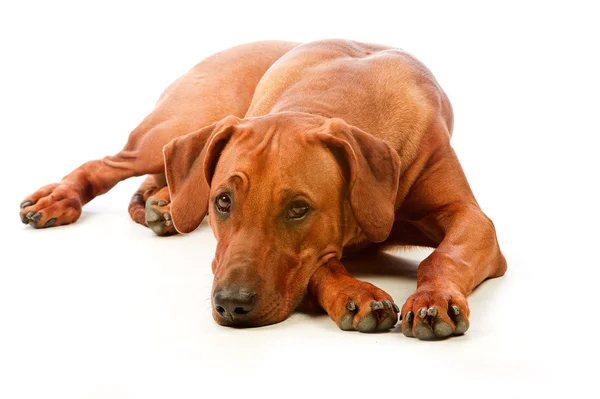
[378, 264]
[393, 272]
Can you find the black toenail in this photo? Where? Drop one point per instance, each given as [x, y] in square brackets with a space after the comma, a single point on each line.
[422, 313]
[456, 310]
[396, 308]
[376, 305]
[50, 222]
[387, 304]
[26, 204]
[36, 218]
[432, 312]
[161, 203]
[408, 317]
[351, 306]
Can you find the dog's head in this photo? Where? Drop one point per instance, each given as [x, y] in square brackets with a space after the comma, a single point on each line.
[284, 194]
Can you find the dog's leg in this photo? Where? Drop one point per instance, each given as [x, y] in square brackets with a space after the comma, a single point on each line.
[221, 85]
[351, 303]
[442, 208]
[150, 206]
[60, 203]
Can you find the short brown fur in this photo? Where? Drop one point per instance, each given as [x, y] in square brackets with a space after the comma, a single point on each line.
[359, 133]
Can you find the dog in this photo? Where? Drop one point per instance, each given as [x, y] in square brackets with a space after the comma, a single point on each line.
[299, 154]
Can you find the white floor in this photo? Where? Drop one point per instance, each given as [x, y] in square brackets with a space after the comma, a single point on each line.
[105, 309]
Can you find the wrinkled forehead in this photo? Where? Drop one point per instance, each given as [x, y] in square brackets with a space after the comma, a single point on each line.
[279, 159]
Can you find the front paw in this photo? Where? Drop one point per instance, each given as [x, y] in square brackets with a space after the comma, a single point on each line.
[434, 313]
[363, 307]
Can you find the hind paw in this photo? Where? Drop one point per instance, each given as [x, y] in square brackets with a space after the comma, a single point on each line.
[158, 213]
[52, 205]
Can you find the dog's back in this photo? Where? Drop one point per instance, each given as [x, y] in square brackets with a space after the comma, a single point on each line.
[382, 90]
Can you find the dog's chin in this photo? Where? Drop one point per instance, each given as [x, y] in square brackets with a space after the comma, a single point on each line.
[272, 317]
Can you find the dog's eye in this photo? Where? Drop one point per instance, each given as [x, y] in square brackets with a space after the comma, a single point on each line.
[297, 211]
[223, 203]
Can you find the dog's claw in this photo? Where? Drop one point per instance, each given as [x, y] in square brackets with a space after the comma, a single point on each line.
[407, 324]
[346, 323]
[376, 305]
[36, 218]
[50, 222]
[396, 308]
[167, 216]
[161, 203]
[422, 313]
[26, 204]
[462, 325]
[29, 215]
[432, 312]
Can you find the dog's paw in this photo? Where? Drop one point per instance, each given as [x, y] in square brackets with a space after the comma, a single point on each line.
[158, 213]
[430, 314]
[52, 205]
[363, 307]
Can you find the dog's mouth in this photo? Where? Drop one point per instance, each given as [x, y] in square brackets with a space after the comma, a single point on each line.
[270, 316]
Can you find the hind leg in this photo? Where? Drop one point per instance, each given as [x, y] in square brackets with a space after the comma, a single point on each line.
[60, 203]
[207, 93]
[150, 206]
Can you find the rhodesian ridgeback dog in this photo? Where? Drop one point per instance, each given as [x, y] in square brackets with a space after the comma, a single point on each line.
[300, 153]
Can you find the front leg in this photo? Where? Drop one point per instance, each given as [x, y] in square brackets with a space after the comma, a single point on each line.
[441, 210]
[351, 303]
[466, 256]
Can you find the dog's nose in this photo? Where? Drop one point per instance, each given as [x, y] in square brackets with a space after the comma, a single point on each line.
[234, 305]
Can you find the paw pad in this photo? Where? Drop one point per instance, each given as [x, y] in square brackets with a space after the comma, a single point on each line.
[158, 217]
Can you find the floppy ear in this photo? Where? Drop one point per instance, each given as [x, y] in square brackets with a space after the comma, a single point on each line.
[374, 173]
[190, 161]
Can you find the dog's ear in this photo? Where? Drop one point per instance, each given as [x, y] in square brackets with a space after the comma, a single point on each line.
[190, 162]
[373, 169]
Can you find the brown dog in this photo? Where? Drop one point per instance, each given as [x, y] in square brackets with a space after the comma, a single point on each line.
[299, 153]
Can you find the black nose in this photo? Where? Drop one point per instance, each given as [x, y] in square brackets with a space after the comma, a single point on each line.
[234, 305]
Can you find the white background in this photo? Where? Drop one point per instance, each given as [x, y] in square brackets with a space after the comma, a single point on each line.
[105, 309]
